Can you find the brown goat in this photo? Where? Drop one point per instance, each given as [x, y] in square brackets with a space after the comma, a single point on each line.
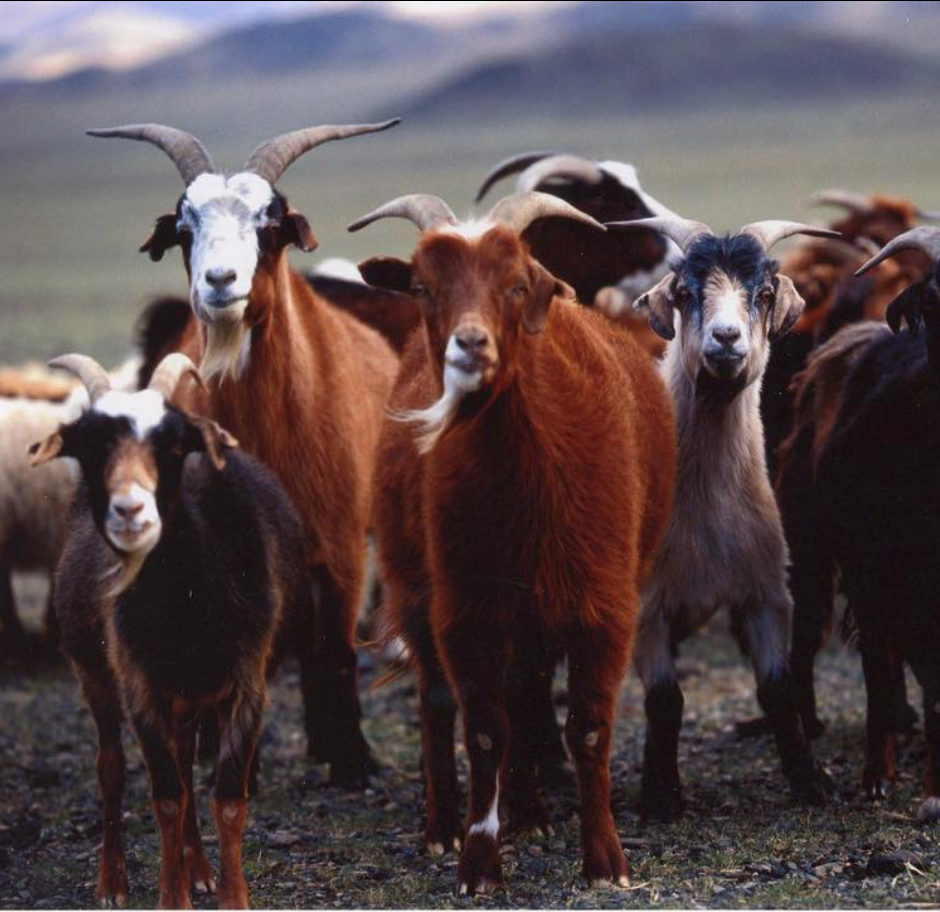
[521, 523]
[302, 385]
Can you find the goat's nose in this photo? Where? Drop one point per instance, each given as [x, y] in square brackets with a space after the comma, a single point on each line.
[219, 278]
[727, 335]
[470, 339]
[127, 509]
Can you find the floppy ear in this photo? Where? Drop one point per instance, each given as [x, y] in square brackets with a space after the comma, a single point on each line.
[215, 440]
[295, 229]
[908, 306]
[660, 305]
[543, 288]
[164, 237]
[788, 307]
[387, 272]
[46, 450]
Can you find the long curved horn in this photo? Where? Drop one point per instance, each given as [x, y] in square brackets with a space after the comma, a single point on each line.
[272, 158]
[772, 231]
[186, 152]
[170, 371]
[426, 211]
[684, 232]
[518, 210]
[854, 202]
[925, 238]
[507, 166]
[89, 371]
[566, 166]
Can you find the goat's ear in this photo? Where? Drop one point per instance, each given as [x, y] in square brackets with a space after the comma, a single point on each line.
[214, 440]
[45, 450]
[788, 308]
[387, 272]
[543, 288]
[295, 229]
[908, 306]
[659, 303]
[164, 237]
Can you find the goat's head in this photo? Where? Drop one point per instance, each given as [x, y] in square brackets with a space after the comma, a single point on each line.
[920, 302]
[730, 298]
[232, 229]
[131, 448]
[477, 286]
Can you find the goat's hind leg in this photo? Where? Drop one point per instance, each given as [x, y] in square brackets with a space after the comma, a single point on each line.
[880, 772]
[766, 624]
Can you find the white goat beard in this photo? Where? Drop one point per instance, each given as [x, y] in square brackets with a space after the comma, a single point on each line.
[224, 355]
[121, 574]
[436, 418]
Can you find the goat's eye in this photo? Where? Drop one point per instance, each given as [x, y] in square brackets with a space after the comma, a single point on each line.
[419, 290]
[519, 291]
[766, 296]
[683, 296]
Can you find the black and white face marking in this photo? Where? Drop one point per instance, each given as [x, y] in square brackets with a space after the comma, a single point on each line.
[223, 216]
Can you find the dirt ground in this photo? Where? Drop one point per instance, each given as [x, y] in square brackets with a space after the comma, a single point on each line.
[741, 842]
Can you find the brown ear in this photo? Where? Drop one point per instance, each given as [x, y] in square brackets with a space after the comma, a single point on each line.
[164, 237]
[788, 307]
[216, 440]
[544, 287]
[387, 272]
[295, 229]
[46, 450]
[659, 303]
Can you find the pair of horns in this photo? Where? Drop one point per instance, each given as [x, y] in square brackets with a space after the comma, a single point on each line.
[270, 160]
[538, 167]
[686, 232]
[516, 211]
[924, 238]
[859, 204]
[165, 378]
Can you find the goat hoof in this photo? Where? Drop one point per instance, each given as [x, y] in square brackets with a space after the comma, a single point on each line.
[813, 787]
[112, 889]
[605, 864]
[880, 788]
[440, 836]
[479, 871]
[929, 811]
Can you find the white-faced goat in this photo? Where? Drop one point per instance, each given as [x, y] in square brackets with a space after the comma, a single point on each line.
[182, 568]
[724, 546]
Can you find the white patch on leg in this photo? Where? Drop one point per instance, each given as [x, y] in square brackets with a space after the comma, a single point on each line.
[489, 825]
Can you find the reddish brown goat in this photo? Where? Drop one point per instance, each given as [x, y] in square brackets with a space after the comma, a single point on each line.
[301, 384]
[520, 525]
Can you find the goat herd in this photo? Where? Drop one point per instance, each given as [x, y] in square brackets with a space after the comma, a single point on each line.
[545, 480]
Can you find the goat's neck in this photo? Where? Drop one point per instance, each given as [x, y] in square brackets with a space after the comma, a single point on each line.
[270, 394]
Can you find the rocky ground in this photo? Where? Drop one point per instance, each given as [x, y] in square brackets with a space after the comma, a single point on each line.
[741, 842]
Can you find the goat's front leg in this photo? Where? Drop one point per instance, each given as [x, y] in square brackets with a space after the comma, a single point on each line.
[155, 736]
[475, 659]
[596, 663]
[201, 878]
[927, 671]
[880, 772]
[661, 788]
[105, 705]
[766, 624]
[240, 727]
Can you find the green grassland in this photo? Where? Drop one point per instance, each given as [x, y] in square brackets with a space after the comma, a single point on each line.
[76, 209]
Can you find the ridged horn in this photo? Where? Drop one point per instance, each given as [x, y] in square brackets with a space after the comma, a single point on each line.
[425, 210]
[184, 150]
[507, 166]
[168, 373]
[772, 231]
[272, 158]
[518, 210]
[684, 232]
[925, 238]
[89, 371]
[566, 166]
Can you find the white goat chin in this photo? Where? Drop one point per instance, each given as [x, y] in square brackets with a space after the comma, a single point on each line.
[434, 419]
